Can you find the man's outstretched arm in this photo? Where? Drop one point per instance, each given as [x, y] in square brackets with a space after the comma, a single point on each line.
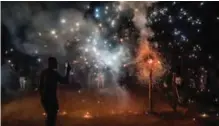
[65, 79]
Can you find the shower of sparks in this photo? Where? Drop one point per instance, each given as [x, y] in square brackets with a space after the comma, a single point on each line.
[148, 59]
[98, 42]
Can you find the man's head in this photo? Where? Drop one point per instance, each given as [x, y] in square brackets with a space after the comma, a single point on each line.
[52, 63]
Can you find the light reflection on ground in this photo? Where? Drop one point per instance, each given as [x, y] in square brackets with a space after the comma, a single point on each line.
[99, 109]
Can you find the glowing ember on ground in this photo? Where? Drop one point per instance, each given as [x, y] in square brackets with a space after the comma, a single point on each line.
[130, 111]
[44, 114]
[136, 113]
[64, 113]
[87, 115]
[204, 115]
[112, 112]
[79, 91]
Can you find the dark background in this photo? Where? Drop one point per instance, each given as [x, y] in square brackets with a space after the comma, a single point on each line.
[208, 37]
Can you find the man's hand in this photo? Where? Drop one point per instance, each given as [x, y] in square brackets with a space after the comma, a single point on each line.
[68, 68]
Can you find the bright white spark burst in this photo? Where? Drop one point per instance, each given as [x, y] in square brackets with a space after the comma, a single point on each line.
[11, 49]
[53, 32]
[72, 29]
[77, 24]
[93, 42]
[40, 34]
[202, 3]
[36, 51]
[63, 21]
[113, 23]
[39, 59]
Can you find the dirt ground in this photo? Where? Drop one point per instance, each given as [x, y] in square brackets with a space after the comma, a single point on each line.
[84, 107]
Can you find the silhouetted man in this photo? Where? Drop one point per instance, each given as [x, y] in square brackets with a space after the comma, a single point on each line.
[48, 85]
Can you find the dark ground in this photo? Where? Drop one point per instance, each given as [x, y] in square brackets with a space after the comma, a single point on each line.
[104, 110]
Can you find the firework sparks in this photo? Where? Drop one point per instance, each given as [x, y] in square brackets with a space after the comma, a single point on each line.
[148, 59]
[53, 32]
[63, 21]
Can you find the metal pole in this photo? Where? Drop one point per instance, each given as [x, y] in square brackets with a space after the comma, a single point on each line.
[174, 89]
[150, 92]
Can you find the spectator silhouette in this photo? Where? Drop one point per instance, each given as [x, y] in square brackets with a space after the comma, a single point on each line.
[48, 85]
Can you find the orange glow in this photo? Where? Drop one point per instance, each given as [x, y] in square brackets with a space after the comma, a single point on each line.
[44, 114]
[87, 115]
[204, 115]
[112, 112]
[150, 61]
[158, 62]
[148, 58]
[64, 113]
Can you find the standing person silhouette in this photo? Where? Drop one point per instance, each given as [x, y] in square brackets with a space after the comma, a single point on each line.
[48, 86]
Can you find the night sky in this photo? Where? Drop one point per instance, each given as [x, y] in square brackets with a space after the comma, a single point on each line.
[198, 28]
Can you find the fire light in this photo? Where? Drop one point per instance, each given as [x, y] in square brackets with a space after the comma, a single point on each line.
[204, 115]
[64, 113]
[79, 91]
[150, 61]
[148, 58]
[87, 115]
[113, 112]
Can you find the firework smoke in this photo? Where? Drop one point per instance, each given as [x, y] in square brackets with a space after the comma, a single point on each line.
[147, 58]
[140, 16]
[67, 35]
[43, 31]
